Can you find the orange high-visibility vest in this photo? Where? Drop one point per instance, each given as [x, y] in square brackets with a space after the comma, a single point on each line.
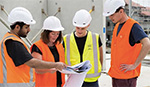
[49, 79]
[123, 53]
[10, 75]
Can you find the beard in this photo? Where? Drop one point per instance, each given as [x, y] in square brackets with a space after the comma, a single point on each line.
[22, 34]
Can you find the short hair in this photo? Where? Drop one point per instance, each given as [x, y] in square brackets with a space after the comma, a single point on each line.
[45, 36]
[21, 24]
[119, 9]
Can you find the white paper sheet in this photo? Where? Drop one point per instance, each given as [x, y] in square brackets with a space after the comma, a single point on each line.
[76, 76]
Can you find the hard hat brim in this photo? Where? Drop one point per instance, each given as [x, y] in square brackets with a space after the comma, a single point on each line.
[108, 14]
[56, 29]
[32, 22]
[76, 25]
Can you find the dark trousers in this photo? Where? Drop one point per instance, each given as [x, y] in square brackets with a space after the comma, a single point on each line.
[124, 82]
[90, 84]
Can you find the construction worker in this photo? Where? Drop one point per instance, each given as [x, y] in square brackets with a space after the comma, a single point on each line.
[129, 45]
[49, 48]
[82, 45]
[16, 62]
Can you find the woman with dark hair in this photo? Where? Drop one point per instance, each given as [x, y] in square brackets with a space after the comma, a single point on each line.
[49, 48]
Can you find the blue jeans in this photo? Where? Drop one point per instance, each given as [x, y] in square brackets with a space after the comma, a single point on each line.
[90, 84]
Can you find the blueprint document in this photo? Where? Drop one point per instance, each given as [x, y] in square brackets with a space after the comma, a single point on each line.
[76, 73]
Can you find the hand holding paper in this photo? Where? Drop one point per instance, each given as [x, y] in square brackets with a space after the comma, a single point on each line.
[78, 68]
[77, 74]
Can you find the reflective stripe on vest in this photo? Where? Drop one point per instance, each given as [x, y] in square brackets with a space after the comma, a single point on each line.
[31, 84]
[68, 49]
[5, 84]
[95, 74]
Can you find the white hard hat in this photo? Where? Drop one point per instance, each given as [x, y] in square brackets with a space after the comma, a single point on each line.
[20, 14]
[82, 18]
[52, 23]
[110, 6]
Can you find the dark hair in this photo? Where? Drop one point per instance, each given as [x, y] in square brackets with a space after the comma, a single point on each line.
[21, 24]
[119, 9]
[45, 36]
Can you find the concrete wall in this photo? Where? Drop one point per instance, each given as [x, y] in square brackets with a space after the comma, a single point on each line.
[68, 9]
[50, 7]
[34, 6]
